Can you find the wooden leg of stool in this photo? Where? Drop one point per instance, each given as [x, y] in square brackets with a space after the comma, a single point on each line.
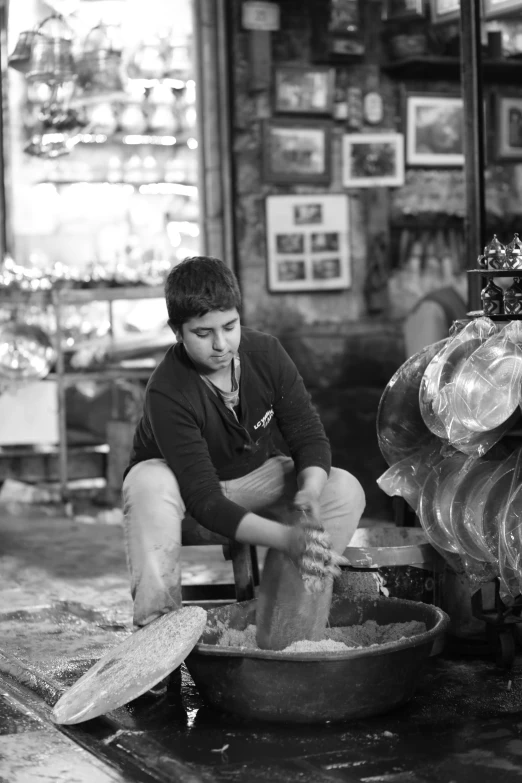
[244, 572]
[255, 564]
[399, 511]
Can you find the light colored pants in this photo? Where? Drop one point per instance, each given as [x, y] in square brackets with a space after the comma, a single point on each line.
[154, 511]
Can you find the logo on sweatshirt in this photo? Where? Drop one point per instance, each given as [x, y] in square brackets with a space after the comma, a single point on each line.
[265, 421]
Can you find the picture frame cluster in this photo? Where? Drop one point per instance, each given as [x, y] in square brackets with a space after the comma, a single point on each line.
[308, 246]
[297, 141]
[298, 149]
[307, 242]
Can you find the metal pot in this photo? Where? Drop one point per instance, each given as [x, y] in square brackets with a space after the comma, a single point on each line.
[315, 687]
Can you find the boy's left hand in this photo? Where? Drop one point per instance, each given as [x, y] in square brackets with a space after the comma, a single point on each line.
[309, 504]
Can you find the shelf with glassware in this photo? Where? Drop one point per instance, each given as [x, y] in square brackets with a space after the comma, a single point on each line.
[103, 114]
[108, 373]
[435, 67]
[106, 294]
[146, 188]
[135, 119]
[67, 296]
[107, 81]
[138, 139]
[66, 376]
[174, 169]
[131, 139]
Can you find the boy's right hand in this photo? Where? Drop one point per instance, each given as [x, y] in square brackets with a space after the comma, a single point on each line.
[312, 554]
[305, 541]
[299, 529]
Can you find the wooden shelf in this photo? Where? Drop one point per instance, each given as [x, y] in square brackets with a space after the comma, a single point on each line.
[504, 70]
[424, 220]
[50, 449]
[71, 377]
[85, 463]
[496, 272]
[137, 139]
[10, 297]
[79, 295]
[177, 188]
[500, 317]
[436, 220]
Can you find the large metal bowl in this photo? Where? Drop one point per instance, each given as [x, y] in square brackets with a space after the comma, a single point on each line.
[315, 687]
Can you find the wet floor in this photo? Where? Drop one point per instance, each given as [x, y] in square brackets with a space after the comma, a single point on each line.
[64, 601]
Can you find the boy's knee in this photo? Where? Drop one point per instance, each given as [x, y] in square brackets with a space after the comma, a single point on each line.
[349, 490]
[153, 478]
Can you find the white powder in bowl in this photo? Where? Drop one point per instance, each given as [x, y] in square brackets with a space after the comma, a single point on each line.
[325, 645]
[337, 639]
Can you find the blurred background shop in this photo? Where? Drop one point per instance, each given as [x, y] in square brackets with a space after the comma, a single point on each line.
[101, 193]
[316, 146]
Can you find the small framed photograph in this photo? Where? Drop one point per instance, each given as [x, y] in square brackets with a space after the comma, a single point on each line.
[403, 9]
[445, 11]
[290, 243]
[308, 213]
[434, 130]
[508, 137]
[304, 90]
[297, 151]
[496, 8]
[373, 160]
[343, 16]
[308, 242]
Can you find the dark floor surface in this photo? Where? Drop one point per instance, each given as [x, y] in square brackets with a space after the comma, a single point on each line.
[463, 725]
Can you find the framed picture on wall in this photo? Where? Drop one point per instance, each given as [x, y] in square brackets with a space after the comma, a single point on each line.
[434, 130]
[444, 11]
[403, 9]
[373, 160]
[304, 89]
[297, 151]
[308, 242]
[495, 8]
[343, 16]
[508, 136]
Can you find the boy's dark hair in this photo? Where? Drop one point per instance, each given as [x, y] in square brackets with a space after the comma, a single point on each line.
[198, 285]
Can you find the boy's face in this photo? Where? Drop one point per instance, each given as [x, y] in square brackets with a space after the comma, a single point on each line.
[211, 340]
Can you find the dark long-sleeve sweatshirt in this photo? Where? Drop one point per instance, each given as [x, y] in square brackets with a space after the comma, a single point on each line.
[185, 423]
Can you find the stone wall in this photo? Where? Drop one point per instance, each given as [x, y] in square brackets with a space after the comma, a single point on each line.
[292, 44]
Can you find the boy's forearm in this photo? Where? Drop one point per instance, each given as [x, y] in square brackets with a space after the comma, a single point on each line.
[312, 480]
[259, 531]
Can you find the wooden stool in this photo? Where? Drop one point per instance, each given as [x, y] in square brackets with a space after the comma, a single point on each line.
[243, 556]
